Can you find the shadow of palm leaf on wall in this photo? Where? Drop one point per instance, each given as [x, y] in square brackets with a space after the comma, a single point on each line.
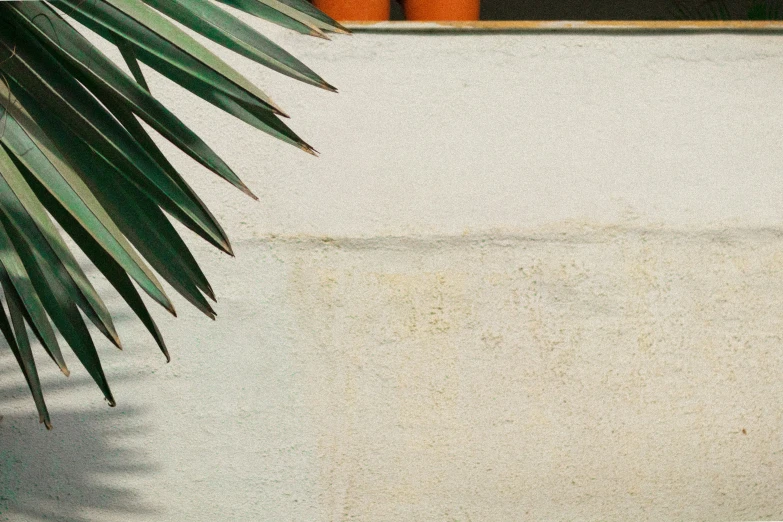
[96, 464]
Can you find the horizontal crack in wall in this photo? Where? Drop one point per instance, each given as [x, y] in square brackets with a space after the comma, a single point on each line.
[586, 235]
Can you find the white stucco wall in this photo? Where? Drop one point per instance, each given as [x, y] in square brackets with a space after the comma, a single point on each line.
[531, 276]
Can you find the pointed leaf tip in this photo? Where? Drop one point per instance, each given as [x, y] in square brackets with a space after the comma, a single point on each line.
[115, 340]
[244, 188]
[308, 149]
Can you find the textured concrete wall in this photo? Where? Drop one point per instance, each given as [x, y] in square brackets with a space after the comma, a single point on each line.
[532, 276]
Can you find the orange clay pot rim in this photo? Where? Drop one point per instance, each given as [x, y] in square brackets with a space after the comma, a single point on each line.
[568, 26]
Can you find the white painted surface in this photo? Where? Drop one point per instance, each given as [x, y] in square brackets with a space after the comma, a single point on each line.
[532, 276]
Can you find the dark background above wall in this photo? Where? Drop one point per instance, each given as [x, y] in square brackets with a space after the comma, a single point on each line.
[605, 9]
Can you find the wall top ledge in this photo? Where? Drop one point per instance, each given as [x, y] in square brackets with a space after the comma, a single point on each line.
[619, 26]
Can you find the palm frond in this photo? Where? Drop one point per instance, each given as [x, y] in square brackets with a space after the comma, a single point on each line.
[72, 151]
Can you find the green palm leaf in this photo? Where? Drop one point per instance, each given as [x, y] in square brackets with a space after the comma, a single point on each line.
[72, 151]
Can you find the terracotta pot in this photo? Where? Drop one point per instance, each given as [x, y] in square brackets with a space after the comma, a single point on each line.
[442, 10]
[355, 10]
